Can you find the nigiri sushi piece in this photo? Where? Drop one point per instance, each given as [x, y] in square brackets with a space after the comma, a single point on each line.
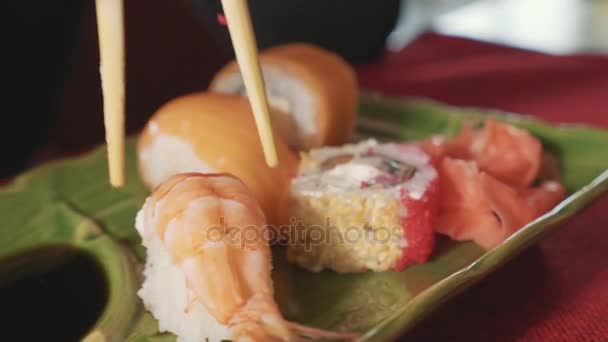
[211, 132]
[361, 207]
[314, 92]
[208, 264]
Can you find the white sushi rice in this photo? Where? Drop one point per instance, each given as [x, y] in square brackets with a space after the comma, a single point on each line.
[347, 177]
[167, 156]
[417, 186]
[165, 294]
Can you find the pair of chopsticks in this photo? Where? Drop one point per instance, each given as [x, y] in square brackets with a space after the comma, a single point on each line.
[110, 23]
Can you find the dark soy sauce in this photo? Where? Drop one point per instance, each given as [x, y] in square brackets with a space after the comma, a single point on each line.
[50, 294]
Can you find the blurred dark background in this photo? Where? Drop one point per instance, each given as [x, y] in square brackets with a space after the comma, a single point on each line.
[50, 72]
[49, 68]
[50, 88]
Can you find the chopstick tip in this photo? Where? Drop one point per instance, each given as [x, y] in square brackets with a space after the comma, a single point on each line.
[271, 158]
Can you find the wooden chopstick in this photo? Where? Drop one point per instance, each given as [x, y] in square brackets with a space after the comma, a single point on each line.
[110, 26]
[246, 51]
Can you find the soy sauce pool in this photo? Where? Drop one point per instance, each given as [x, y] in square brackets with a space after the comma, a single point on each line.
[50, 294]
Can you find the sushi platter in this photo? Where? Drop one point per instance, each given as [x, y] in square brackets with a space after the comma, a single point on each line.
[283, 203]
[70, 203]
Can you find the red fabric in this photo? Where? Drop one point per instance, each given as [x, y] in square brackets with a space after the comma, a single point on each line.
[558, 290]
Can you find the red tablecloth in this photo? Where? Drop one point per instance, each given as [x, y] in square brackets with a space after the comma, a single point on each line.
[557, 291]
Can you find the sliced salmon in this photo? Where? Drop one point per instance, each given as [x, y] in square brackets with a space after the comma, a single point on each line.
[512, 210]
[458, 147]
[544, 197]
[435, 147]
[485, 174]
[509, 154]
[464, 211]
[476, 206]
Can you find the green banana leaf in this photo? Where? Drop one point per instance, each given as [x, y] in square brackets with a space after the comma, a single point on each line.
[70, 203]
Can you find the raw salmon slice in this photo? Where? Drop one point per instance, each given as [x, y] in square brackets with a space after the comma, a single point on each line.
[476, 206]
[509, 154]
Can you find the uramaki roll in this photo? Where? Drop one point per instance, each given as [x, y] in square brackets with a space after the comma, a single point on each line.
[314, 91]
[210, 133]
[360, 207]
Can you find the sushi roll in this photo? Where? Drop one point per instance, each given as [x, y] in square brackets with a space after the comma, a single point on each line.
[365, 206]
[211, 132]
[314, 93]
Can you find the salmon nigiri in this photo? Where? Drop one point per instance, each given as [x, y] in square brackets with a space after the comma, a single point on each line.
[210, 132]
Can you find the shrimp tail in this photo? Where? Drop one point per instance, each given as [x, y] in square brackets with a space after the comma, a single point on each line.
[259, 320]
[315, 333]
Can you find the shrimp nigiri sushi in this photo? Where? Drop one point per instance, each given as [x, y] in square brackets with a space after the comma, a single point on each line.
[208, 267]
[365, 206]
[314, 93]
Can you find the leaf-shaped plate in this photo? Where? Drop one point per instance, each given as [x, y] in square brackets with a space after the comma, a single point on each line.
[70, 202]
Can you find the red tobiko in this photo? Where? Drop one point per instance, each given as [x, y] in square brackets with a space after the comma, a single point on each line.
[419, 225]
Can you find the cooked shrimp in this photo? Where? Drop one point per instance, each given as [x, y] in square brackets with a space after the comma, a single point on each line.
[212, 229]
